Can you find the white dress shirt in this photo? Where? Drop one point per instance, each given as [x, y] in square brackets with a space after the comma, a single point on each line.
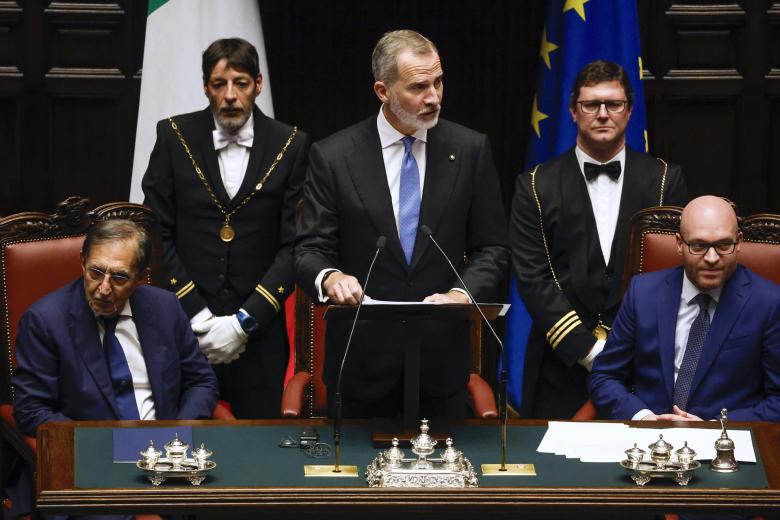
[605, 200]
[233, 160]
[686, 315]
[127, 335]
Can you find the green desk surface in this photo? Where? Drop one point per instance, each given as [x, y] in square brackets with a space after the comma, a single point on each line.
[248, 456]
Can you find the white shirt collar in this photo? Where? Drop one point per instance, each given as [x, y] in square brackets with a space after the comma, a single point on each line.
[582, 158]
[388, 135]
[690, 291]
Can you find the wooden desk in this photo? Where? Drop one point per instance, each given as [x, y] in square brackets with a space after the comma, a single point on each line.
[57, 491]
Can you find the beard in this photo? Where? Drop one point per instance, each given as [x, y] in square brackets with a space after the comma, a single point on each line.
[410, 119]
[232, 122]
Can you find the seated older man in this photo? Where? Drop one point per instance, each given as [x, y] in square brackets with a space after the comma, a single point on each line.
[109, 346]
[692, 340]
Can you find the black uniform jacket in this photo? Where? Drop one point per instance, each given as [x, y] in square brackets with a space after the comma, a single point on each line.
[560, 269]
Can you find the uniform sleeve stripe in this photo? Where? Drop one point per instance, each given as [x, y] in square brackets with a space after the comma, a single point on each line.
[560, 330]
[268, 296]
[560, 323]
[565, 333]
[181, 293]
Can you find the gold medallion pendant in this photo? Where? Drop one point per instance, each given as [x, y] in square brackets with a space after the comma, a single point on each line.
[227, 233]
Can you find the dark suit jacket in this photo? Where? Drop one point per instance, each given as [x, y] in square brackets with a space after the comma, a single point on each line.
[587, 290]
[739, 367]
[347, 206]
[61, 370]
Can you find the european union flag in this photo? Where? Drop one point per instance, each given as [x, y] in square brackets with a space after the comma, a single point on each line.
[576, 33]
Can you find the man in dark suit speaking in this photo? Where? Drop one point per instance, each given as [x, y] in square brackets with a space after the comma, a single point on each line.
[108, 346]
[224, 182]
[387, 176]
[692, 340]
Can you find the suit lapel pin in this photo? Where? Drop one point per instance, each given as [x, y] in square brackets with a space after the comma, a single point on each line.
[452, 158]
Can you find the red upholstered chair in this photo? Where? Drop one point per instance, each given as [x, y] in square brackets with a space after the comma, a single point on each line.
[38, 254]
[652, 246]
[305, 394]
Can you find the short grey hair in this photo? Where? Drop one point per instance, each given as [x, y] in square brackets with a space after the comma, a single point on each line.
[117, 230]
[384, 60]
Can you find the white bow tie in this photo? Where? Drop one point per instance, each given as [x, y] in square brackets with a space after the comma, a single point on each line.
[245, 137]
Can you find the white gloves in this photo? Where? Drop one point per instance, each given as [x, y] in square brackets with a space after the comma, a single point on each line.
[221, 338]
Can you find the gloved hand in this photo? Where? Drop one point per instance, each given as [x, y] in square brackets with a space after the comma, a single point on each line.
[221, 339]
[203, 315]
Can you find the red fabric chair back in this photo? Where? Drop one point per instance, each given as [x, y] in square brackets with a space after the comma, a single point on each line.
[32, 269]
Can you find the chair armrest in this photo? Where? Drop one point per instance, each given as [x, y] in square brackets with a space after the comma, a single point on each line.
[222, 412]
[482, 396]
[587, 412]
[292, 398]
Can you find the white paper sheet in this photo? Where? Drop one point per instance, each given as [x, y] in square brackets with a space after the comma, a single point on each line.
[607, 442]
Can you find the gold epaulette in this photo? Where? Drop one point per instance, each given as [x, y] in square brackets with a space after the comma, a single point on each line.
[268, 296]
[562, 328]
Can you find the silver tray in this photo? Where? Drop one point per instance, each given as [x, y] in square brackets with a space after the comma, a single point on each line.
[163, 470]
[646, 470]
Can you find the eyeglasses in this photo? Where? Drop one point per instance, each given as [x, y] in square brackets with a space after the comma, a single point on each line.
[115, 279]
[702, 248]
[613, 106]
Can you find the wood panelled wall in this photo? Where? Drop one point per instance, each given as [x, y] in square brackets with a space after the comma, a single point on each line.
[70, 77]
[69, 83]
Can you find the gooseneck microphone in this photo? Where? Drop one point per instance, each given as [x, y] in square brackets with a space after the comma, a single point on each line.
[380, 244]
[502, 391]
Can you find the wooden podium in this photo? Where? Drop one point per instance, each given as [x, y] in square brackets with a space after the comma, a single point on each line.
[411, 315]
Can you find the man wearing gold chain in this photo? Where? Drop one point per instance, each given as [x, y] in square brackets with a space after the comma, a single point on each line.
[224, 183]
[568, 232]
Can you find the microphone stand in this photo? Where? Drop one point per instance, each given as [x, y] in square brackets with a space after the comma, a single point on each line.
[488, 469]
[380, 244]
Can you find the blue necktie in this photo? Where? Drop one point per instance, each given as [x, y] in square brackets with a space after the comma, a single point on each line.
[121, 378]
[409, 200]
[696, 337]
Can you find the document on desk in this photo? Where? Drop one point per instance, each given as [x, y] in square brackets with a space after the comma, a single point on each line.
[607, 442]
[368, 300]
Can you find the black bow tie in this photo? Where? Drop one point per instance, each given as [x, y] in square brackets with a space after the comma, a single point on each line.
[593, 170]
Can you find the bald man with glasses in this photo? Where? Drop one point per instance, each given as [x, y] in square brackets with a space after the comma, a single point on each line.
[692, 340]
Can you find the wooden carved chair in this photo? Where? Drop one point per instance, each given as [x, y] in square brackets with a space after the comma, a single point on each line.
[305, 394]
[652, 246]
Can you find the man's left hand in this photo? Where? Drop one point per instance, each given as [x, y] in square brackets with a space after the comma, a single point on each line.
[452, 296]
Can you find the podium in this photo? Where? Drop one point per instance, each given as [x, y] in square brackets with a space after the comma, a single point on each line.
[412, 314]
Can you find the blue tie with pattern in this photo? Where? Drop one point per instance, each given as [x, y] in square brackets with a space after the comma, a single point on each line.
[696, 337]
[121, 378]
[408, 200]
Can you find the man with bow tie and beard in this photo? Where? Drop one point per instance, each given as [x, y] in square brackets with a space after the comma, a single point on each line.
[568, 231]
[224, 182]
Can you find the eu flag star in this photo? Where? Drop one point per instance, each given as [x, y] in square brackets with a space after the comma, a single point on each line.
[537, 116]
[546, 48]
[577, 5]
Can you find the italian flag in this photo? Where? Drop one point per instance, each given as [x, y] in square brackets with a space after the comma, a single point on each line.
[177, 33]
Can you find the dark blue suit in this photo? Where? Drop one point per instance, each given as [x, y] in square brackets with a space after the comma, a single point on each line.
[739, 367]
[62, 374]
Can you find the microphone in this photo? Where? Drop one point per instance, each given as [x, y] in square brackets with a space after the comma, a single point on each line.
[380, 244]
[502, 389]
